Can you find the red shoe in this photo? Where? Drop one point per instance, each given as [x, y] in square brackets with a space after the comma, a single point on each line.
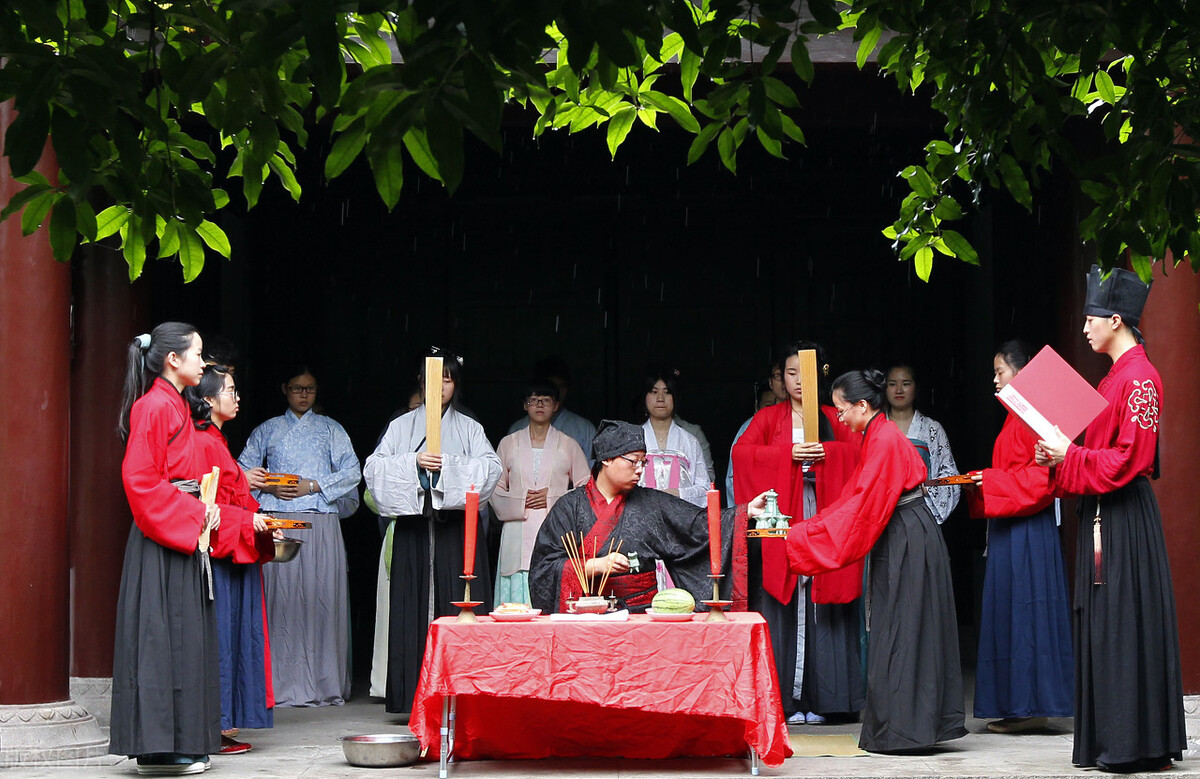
[231, 747]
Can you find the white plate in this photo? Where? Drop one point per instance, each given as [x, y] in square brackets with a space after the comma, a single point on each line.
[514, 616]
[670, 616]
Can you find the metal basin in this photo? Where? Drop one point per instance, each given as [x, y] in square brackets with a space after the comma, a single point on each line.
[286, 549]
[381, 750]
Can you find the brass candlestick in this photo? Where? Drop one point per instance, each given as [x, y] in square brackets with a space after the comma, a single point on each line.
[716, 606]
[466, 606]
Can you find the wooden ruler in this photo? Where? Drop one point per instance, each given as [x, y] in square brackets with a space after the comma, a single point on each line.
[208, 496]
[433, 405]
[811, 395]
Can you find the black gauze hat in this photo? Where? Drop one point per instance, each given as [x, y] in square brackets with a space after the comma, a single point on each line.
[1123, 292]
[617, 438]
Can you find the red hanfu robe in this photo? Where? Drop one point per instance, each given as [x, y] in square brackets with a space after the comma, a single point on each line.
[1015, 486]
[1121, 443]
[762, 460]
[235, 538]
[845, 530]
[160, 448]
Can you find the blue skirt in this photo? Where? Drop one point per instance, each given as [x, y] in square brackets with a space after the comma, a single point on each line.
[1025, 666]
[237, 590]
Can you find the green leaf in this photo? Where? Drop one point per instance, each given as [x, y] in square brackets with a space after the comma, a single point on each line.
[168, 237]
[867, 45]
[676, 108]
[191, 253]
[21, 198]
[791, 129]
[1105, 87]
[387, 165]
[62, 229]
[960, 246]
[919, 179]
[727, 149]
[446, 144]
[923, 261]
[701, 142]
[618, 128]
[345, 149]
[133, 247]
[110, 220]
[418, 148]
[773, 147]
[780, 92]
[85, 220]
[36, 210]
[324, 53]
[801, 62]
[689, 70]
[286, 176]
[214, 237]
[948, 208]
[1015, 181]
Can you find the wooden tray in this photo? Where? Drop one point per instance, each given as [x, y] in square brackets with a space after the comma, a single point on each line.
[772, 532]
[946, 481]
[281, 478]
[274, 523]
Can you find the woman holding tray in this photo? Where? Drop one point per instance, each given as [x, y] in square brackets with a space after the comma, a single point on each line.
[1128, 686]
[239, 549]
[1023, 673]
[166, 699]
[914, 680]
[307, 599]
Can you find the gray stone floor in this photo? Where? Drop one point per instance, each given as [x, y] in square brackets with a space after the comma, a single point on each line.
[304, 743]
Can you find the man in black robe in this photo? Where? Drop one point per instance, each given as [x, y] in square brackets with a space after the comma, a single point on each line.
[612, 509]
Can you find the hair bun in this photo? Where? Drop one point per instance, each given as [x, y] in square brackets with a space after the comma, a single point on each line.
[876, 378]
[143, 341]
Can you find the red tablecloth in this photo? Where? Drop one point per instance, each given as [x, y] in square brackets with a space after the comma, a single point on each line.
[619, 689]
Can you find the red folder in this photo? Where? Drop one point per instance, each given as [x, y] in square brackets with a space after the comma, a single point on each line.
[1048, 393]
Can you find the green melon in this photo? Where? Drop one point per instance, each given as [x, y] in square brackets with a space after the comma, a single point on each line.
[673, 601]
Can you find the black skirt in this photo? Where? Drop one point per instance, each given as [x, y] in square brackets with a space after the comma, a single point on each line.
[166, 665]
[914, 679]
[409, 618]
[1128, 686]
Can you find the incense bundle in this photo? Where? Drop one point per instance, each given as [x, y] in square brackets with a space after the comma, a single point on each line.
[578, 562]
[604, 579]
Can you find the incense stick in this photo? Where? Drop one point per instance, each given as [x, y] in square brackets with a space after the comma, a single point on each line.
[604, 581]
[572, 547]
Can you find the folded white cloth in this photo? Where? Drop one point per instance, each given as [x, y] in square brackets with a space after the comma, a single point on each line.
[612, 616]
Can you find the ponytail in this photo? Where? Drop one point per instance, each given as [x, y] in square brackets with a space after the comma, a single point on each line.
[145, 359]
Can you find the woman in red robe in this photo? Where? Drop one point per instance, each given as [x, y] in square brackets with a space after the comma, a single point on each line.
[814, 624]
[166, 704]
[1128, 684]
[239, 549]
[914, 680]
[1023, 671]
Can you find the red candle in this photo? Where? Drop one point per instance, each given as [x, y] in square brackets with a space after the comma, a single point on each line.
[714, 529]
[472, 523]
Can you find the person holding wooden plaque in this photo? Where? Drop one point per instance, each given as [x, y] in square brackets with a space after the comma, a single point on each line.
[798, 448]
[1128, 686]
[419, 475]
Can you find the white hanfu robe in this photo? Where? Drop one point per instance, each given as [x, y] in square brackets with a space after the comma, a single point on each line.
[680, 465]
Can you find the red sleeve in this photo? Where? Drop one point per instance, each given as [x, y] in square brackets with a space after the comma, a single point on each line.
[235, 538]
[1015, 486]
[847, 529]
[1128, 454]
[833, 473]
[759, 464]
[165, 515]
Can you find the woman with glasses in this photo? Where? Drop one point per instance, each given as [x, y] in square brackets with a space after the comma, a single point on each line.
[538, 466]
[424, 495]
[813, 621]
[307, 599]
[914, 678]
[676, 461]
[239, 549]
[648, 525]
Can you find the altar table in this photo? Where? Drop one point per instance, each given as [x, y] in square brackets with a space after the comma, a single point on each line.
[637, 689]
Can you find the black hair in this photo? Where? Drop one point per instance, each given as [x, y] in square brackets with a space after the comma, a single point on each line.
[143, 364]
[212, 382]
[822, 364]
[293, 369]
[451, 366]
[1016, 353]
[862, 385]
[668, 376]
[541, 388]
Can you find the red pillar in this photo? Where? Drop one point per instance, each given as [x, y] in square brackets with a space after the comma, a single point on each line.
[35, 381]
[108, 312]
[37, 719]
[1172, 328]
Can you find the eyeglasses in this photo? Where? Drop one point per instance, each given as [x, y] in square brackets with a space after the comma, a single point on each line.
[539, 402]
[642, 463]
[232, 392]
[296, 389]
[844, 411]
